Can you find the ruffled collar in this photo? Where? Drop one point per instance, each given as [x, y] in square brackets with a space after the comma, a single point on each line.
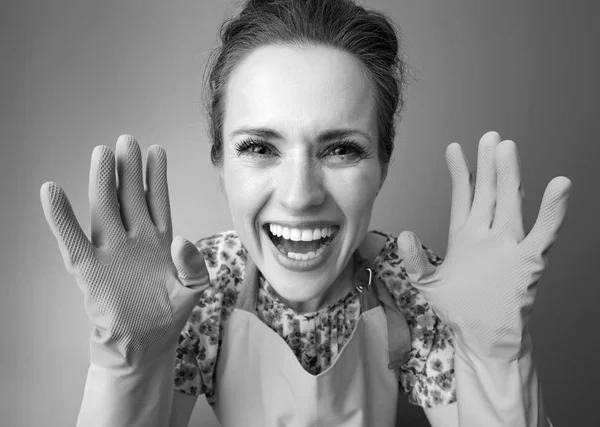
[272, 295]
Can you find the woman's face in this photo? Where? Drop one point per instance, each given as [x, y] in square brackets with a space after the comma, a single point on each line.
[300, 166]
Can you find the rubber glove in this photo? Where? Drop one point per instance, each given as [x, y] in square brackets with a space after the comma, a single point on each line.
[139, 284]
[486, 286]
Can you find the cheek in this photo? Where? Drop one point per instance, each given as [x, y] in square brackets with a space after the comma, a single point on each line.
[246, 189]
[355, 193]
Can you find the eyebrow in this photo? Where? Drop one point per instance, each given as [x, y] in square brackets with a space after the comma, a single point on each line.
[328, 135]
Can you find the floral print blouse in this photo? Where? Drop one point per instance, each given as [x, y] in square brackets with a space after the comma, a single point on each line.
[315, 338]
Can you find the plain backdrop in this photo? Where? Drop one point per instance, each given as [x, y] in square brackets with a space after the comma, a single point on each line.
[77, 73]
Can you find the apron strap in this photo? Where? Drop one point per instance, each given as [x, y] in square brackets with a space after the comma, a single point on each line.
[399, 338]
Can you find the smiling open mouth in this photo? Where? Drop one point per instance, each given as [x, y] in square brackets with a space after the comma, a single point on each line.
[301, 244]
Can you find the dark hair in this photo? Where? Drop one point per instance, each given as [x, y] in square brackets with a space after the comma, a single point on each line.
[368, 35]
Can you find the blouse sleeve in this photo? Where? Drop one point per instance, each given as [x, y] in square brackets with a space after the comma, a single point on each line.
[187, 371]
[199, 339]
[428, 377]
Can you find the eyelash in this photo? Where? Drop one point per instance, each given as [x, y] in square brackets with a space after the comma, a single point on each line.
[245, 147]
[356, 150]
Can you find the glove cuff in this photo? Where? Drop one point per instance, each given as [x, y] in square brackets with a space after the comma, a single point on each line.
[128, 395]
[497, 391]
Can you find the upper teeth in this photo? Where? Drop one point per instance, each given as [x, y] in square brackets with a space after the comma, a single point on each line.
[298, 234]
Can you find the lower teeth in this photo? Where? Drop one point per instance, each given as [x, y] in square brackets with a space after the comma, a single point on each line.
[303, 257]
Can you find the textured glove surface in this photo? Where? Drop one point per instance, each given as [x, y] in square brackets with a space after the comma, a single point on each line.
[485, 288]
[132, 289]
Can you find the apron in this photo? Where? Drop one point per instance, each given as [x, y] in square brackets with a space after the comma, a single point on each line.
[260, 382]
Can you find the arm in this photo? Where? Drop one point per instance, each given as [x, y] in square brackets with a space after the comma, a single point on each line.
[124, 395]
[139, 284]
[486, 286]
[147, 399]
[428, 379]
[498, 391]
[495, 390]
[447, 415]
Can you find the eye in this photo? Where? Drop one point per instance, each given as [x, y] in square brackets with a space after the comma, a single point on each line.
[254, 147]
[345, 151]
[340, 151]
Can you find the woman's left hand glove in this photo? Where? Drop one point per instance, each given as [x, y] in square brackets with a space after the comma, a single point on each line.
[485, 288]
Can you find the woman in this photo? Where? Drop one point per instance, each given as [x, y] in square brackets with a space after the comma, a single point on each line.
[303, 317]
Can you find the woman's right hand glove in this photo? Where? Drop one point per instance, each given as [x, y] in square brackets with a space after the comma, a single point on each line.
[139, 286]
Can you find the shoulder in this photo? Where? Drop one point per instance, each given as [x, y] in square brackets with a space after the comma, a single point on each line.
[383, 247]
[225, 258]
[199, 340]
[388, 264]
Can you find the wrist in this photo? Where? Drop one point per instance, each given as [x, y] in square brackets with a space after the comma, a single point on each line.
[512, 346]
[496, 387]
[128, 388]
[125, 395]
[110, 354]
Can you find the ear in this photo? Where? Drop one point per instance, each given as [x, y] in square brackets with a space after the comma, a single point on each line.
[222, 183]
[384, 171]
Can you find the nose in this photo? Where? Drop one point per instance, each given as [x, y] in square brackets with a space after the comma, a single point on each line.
[301, 185]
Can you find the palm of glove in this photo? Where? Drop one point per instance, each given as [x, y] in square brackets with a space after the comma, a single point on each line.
[132, 289]
[485, 288]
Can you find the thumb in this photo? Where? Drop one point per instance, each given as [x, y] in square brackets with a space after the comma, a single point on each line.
[416, 262]
[191, 269]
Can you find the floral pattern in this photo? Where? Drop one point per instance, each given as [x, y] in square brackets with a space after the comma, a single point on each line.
[315, 338]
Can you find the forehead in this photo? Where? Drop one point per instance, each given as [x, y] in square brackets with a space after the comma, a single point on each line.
[299, 88]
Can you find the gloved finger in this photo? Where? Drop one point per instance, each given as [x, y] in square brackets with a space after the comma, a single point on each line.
[484, 201]
[551, 216]
[105, 218]
[192, 278]
[509, 213]
[462, 185]
[191, 268]
[131, 194]
[157, 196]
[416, 262]
[186, 279]
[72, 241]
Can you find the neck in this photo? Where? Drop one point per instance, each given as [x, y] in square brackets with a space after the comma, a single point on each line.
[342, 286]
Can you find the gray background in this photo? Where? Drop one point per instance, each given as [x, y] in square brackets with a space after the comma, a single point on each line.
[76, 74]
